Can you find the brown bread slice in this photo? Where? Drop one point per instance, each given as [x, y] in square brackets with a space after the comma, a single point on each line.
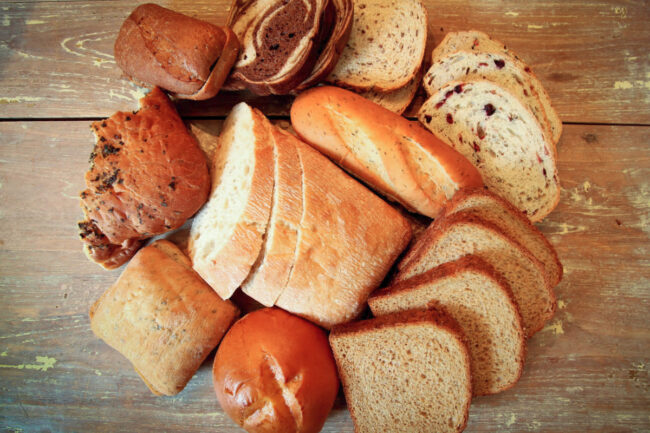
[463, 233]
[404, 372]
[481, 301]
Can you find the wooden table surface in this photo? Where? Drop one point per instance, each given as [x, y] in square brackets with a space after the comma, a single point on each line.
[586, 371]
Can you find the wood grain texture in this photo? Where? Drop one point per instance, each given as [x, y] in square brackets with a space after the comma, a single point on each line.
[586, 371]
[56, 57]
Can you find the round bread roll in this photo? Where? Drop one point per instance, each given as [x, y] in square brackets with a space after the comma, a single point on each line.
[274, 372]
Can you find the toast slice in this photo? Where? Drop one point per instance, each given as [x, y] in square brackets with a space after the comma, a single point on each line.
[480, 300]
[227, 233]
[404, 372]
[492, 208]
[503, 140]
[462, 233]
[380, 55]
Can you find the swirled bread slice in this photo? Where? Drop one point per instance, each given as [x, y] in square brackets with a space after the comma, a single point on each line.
[501, 137]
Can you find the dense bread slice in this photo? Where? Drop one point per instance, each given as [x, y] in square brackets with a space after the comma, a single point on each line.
[501, 137]
[460, 234]
[280, 41]
[476, 41]
[397, 100]
[393, 155]
[386, 45]
[348, 240]
[405, 372]
[271, 272]
[226, 235]
[480, 300]
[500, 212]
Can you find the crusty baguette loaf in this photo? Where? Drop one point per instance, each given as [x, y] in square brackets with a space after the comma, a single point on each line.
[386, 45]
[396, 157]
[397, 100]
[162, 317]
[492, 208]
[460, 234]
[481, 301]
[501, 137]
[404, 372]
[227, 234]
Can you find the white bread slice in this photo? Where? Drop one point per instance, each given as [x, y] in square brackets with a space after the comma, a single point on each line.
[460, 234]
[348, 240]
[386, 45]
[227, 233]
[271, 272]
[481, 301]
[492, 208]
[479, 42]
[404, 372]
[501, 137]
[397, 100]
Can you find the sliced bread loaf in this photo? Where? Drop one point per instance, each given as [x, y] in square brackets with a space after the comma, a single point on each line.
[500, 212]
[481, 301]
[405, 372]
[386, 45]
[227, 233]
[460, 234]
[501, 137]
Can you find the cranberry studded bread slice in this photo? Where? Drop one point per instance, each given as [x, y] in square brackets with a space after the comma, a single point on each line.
[492, 208]
[480, 300]
[386, 45]
[501, 137]
[227, 234]
[404, 372]
[480, 42]
[460, 234]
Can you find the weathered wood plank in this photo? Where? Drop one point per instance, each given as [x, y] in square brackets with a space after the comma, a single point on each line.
[56, 57]
[587, 371]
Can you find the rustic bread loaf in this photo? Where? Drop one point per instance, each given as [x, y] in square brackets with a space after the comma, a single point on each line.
[404, 372]
[498, 211]
[393, 155]
[188, 57]
[274, 372]
[397, 100]
[162, 317]
[147, 177]
[227, 234]
[460, 234]
[481, 301]
[386, 45]
[501, 137]
[280, 41]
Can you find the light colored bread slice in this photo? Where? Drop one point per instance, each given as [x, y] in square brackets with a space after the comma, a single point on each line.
[481, 301]
[480, 42]
[503, 214]
[227, 233]
[271, 272]
[460, 234]
[348, 241]
[396, 101]
[386, 45]
[503, 140]
[405, 372]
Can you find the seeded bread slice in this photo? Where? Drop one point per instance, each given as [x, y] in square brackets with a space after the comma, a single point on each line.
[503, 214]
[386, 45]
[396, 101]
[227, 233]
[481, 301]
[462, 233]
[480, 42]
[501, 137]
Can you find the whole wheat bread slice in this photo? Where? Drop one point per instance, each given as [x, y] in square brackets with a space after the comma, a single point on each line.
[405, 372]
[397, 100]
[481, 301]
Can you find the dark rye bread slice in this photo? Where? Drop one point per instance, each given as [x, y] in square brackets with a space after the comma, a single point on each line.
[404, 372]
[280, 41]
[495, 209]
[452, 237]
[481, 301]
